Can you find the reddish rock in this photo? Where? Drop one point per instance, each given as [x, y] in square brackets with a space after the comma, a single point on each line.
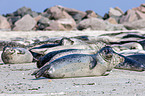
[90, 13]
[4, 24]
[55, 25]
[69, 24]
[72, 11]
[25, 23]
[62, 17]
[140, 14]
[129, 17]
[37, 18]
[112, 20]
[57, 13]
[141, 8]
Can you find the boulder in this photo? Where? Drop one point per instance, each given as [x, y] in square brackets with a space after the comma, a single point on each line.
[25, 23]
[140, 14]
[112, 20]
[72, 12]
[23, 11]
[129, 16]
[90, 14]
[114, 27]
[42, 23]
[115, 12]
[69, 24]
[77, 17]
[141, 8]
[4, 24]
[55, 25]
[12, 20]
[92, 23]
[62, 17]
[57, 13]
[134, 25]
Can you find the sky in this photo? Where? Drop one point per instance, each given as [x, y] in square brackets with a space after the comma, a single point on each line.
[99, 6]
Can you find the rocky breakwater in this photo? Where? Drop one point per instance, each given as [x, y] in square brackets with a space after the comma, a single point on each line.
[64, 19]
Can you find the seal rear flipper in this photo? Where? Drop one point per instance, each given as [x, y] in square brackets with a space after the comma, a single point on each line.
[41, 71]
[35, 72]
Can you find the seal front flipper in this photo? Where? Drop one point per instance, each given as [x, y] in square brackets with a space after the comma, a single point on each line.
[93, 63]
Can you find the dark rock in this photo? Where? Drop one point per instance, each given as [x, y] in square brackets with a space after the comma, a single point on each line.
[77, 17]
[106, 16]
[91, 13]
[12, 20]
[23, 11]
[56, 13]
[25, 23]
[45, 14]
[42, 23]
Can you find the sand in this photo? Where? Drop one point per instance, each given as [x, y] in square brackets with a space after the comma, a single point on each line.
[17, 79]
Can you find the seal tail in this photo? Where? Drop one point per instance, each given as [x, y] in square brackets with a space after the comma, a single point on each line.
[41, 71]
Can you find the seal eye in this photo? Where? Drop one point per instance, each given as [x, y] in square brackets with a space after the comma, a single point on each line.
[108, 53]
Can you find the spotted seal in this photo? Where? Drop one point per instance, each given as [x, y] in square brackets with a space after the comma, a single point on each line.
[56, 54]
[44, 51]
[132, 63]
[80, 65]
[138, 57]
[14, 55]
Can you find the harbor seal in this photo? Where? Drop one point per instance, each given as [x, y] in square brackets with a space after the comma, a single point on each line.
[138, 57]
[15, 55]
[44, 51]
[56, 54]
[131, 64]
[80, 65]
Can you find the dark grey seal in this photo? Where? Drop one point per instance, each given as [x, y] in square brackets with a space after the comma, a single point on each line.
[15, 55]
[133, 63]
[138, 57]
[80, 65]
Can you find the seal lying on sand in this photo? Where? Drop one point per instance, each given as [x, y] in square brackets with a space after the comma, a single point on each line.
[56, 54]
[131, 63]
[79, 65]
[16, 55]
[44, 51]
[138, 57]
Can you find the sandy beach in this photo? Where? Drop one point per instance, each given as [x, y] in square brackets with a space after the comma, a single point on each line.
[17, 79]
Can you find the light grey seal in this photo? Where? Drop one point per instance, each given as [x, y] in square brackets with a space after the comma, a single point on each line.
[15, 55]
[56, 54]
[80, 65]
